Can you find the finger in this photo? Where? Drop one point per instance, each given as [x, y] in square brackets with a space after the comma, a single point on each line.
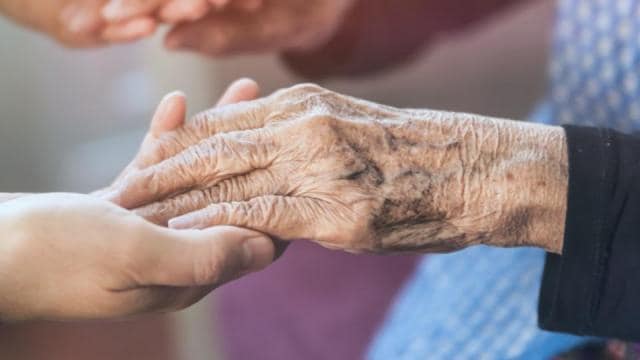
[183, 10]
[170, 114]
[80, 23]
[248, 5]
[240, 188]
[219, 4]
[166, 144]
[129, 30]
[228, 33]
[243, 89]
[121, 10]
[81, 17]
[200, 166]
[199, 258]
[285, 218]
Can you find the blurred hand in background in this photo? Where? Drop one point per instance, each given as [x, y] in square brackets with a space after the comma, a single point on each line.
[76, 23]
[269, 26]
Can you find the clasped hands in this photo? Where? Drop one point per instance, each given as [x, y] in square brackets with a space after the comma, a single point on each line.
[304, 163]
[214, 27]
[308, 163]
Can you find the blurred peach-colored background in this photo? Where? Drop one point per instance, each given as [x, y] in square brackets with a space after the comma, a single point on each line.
[72, 119]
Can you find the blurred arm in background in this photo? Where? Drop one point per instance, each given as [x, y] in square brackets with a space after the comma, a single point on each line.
[321, 38]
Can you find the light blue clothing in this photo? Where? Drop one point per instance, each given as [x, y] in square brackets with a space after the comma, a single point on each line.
[476, 304]
[482, 303]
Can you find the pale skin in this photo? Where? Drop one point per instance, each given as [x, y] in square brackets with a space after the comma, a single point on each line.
[95, 260]
[308, 163]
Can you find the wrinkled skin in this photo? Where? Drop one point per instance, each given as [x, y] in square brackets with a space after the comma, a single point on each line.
[97, 260]
[272, 26]
[308, 163]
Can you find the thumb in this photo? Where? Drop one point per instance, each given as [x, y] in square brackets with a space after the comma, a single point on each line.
[197, 258]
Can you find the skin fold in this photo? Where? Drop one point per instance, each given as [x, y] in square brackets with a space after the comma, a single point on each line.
[96, 260]
[308, 163]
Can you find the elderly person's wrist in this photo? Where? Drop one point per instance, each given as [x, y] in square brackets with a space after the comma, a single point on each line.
[490, 181]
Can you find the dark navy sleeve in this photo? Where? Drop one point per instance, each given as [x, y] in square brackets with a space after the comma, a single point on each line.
[593, 288]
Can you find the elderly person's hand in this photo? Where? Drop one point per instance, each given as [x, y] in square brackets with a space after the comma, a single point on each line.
[273, 25]
[307, 163]
[171, 115]
[70, 256]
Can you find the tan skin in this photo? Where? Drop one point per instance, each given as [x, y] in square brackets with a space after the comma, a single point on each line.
[90, 23]
[214, 27]
[274, 26]
[95, 260]
[308, 163]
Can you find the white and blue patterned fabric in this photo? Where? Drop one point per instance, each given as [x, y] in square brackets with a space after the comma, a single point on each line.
[481, 303]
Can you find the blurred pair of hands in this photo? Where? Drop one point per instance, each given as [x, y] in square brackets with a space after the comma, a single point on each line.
[215, 27]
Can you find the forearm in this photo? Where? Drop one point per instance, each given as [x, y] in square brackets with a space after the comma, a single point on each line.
[496, 182]
[379, 34]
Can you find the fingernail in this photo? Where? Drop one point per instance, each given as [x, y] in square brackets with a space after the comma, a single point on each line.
[258, 253]
[112, 11]
[183, 222]
[174, 93]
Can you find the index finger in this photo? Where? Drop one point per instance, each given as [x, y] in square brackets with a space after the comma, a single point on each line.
[200, 166]
[121, 10]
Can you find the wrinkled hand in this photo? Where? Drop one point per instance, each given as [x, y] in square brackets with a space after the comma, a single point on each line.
[69, 256]
[273, 25]
[77, 23]
[307, 163]
[169, 117]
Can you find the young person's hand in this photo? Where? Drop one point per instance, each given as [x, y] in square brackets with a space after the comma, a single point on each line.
[71, 256]
[77, 23]
[272, 26]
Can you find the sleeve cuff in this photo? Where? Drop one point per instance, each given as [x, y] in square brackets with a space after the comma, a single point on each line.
[572, 282]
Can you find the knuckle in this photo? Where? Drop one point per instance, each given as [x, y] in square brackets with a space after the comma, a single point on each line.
[298, 90]
[317, 121]
[306, 88]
